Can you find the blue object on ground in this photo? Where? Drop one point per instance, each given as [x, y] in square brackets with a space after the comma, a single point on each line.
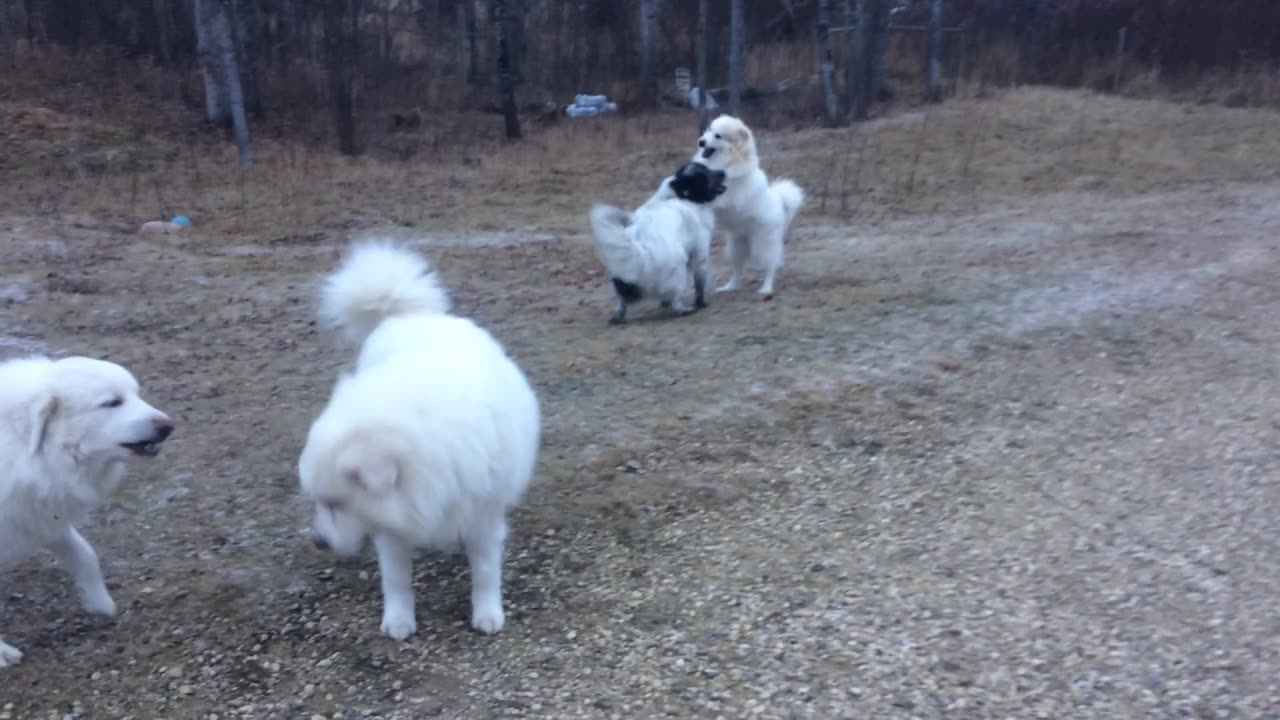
[182, 220]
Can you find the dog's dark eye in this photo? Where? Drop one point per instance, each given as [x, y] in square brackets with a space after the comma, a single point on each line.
[717, 136]
[114, 402]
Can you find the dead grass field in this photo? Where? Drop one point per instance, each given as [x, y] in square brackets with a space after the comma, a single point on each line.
[1003, 445]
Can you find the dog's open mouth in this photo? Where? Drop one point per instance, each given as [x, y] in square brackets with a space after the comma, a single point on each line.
[708, 152]
[145, 448]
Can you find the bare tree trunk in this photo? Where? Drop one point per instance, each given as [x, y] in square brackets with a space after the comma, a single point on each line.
[858, 78]
[850, 56]
[878, 47]
[220, 68]
[164, 32]
[822, 37]
[244, 32]
[7, 36]
[517, 41]
[235, 94]
[473, 42]
[933, 69]
[648, 39]
[737, 56]
[1119, 73]
[506, 80]
[211, 25]
[704, 41]
[340, 56]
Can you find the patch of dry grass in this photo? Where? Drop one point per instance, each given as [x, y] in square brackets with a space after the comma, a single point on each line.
[69, 161]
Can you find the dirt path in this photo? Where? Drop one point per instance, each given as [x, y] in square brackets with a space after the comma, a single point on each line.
[1010, 464]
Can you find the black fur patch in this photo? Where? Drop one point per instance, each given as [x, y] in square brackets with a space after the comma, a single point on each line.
[697, 183]
[629, 292]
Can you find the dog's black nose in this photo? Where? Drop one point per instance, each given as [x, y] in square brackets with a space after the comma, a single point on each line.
[164, 428]
[320, 543]
[702, 143]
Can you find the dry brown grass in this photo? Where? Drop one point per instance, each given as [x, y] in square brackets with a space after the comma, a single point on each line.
[112, 156]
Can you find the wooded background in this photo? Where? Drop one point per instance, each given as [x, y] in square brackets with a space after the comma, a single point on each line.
[357, 64]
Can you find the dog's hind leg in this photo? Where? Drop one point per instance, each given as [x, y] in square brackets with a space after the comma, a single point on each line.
[619, 316]
[77, 556]
[627, 293]
[395, 563]
[9, 655]
[772, 261]
[739, 249]
[484, 548]
[701, 278]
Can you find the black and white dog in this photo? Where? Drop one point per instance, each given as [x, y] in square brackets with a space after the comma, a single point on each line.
[650, 253]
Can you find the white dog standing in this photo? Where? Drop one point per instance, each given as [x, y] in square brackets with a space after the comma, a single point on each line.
[66, 428]
[652, 251]
[754, 212]
[428, 443]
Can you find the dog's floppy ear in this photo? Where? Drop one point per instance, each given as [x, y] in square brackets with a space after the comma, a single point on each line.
[740, 135]
[367, 467]
[43, 410]
[375, 480]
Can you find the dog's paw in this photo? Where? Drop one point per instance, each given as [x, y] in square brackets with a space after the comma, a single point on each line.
[616, 320]
[9, 655]
[398, 625]
[488, 618]
[99, 603]
[728, 287]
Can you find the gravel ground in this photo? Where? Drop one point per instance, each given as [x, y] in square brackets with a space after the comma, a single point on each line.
[1016, 463]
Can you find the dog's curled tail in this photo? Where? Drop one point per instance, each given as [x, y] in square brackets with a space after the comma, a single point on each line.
[790, 195]
[377, 280]
[609, 225]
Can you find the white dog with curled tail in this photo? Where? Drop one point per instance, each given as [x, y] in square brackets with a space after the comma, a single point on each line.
[428, 443]
[754, 212]
[651, 252]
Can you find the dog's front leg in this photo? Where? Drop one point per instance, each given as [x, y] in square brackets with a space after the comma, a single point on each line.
[77, 556]
[9, 655]
[395, 562]
[484, 547]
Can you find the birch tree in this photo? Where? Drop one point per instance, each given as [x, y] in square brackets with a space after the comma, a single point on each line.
[220, 68]
[506, 78]
[737, 56]
[340, 20]
[933, 64]
[648, 40]
[858, 68]
[704, 41]
[827, 64]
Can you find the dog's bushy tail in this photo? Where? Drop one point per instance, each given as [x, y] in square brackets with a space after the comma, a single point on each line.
[377, 280]
[616, 251]
[791, 196]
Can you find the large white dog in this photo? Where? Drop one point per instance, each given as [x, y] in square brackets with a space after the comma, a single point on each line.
[650, 253]
[66, 428]
[428, 443]
[754, 212]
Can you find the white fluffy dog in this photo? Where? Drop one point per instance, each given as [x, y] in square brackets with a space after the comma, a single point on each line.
[650, 253]
[754, 212]
[66, 428]
[428, 443]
